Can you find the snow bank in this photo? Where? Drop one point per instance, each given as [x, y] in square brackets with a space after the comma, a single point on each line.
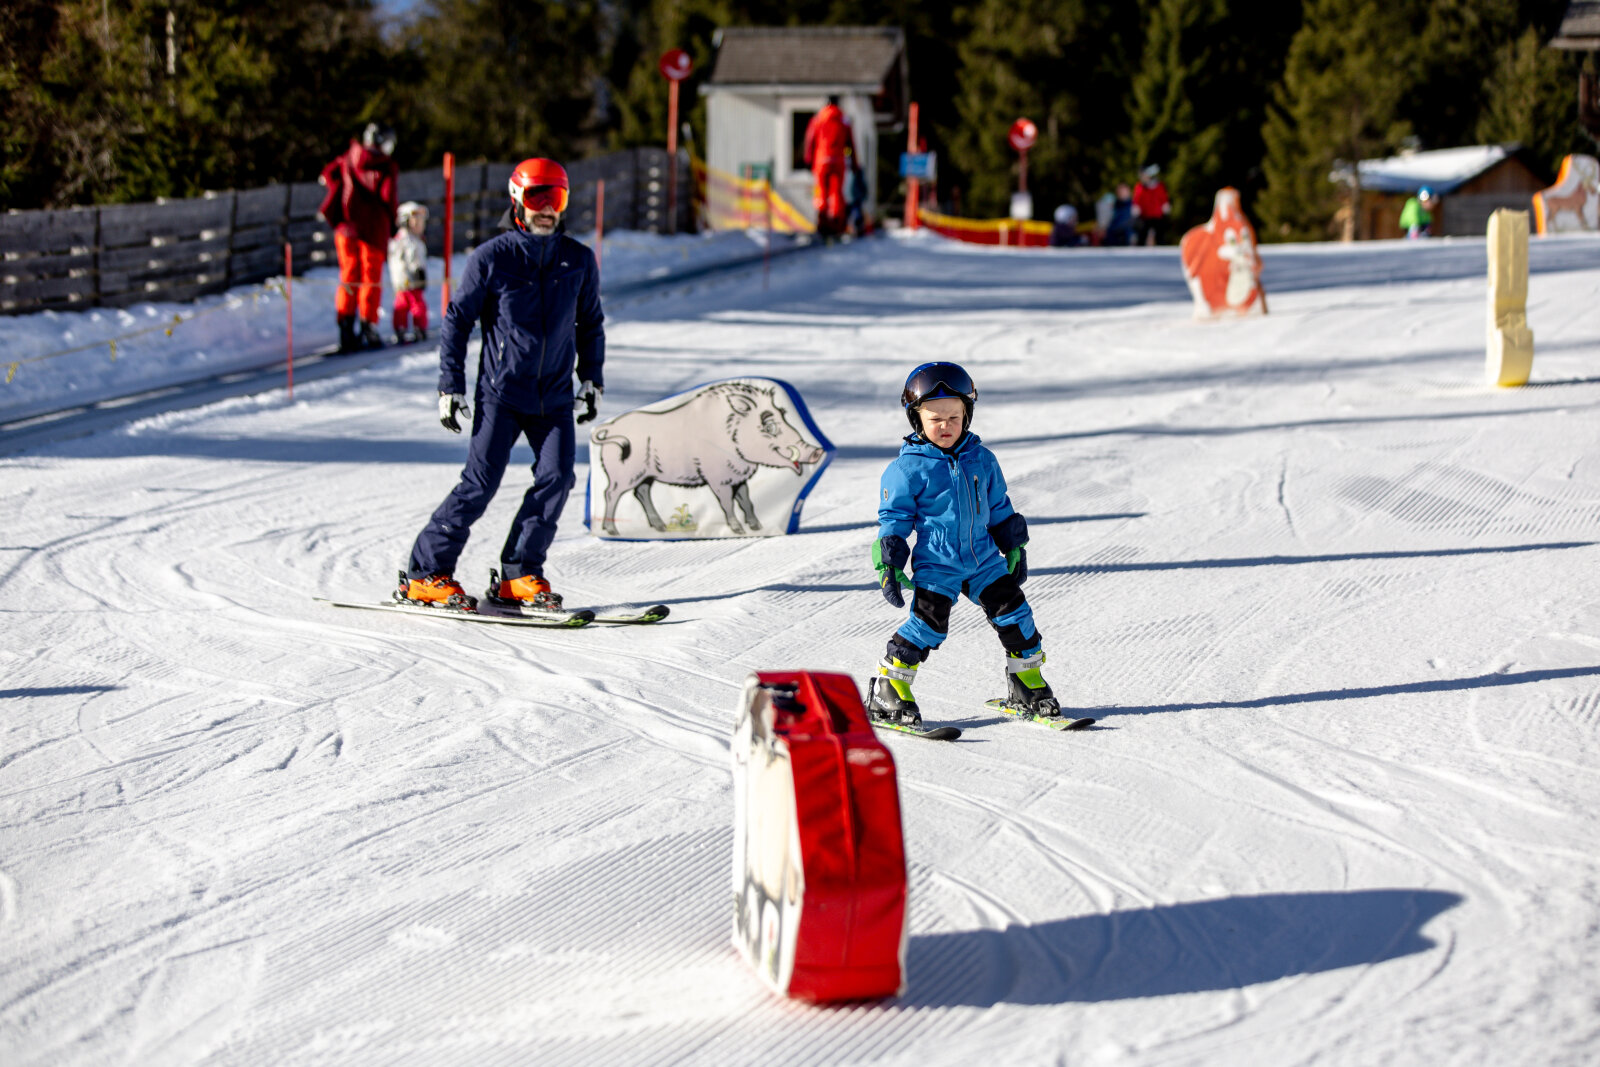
[245, 328]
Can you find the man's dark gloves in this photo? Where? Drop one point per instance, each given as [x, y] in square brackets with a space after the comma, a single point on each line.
[586, 403]
[450, 406]
[1011, 538]
[889, 557]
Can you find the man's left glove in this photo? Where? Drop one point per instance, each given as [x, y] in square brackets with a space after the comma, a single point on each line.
[889, 557]
[587, 402]
[450, 405]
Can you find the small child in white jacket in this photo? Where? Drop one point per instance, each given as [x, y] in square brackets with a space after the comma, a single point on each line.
[408, 272]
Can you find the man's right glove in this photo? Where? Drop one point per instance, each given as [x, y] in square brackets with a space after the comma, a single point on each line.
[889, 557]
[451, 404]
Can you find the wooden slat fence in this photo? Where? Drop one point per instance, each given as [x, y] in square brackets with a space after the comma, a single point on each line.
[176, 250]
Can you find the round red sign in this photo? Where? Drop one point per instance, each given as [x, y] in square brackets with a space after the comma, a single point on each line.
[675, 65]
[1023, 134]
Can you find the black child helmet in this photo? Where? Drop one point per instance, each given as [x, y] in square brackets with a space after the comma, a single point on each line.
[933, 380]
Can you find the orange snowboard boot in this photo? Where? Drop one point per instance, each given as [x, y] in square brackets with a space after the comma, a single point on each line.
[438, 590]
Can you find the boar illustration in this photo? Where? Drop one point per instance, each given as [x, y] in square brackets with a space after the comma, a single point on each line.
[717, 438]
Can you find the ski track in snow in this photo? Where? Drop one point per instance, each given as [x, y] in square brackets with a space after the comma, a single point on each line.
[1330, 598]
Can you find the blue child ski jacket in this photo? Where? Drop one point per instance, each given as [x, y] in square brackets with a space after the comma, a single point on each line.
[951, 500]
[538, 298]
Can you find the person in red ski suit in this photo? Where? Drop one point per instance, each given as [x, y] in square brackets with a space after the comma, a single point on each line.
[829, 146]
[363, 196]
[1150, 207]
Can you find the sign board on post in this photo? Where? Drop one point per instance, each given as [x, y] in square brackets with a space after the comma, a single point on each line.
[675, 65]
[1022, 135]
[819, 868]
[923, 166]
[730, 458]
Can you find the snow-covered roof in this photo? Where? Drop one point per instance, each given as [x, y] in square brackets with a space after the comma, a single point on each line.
[1443, 170]
[1580, 29]
[833, 58]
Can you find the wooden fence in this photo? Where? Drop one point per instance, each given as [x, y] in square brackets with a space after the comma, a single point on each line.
[176, 250]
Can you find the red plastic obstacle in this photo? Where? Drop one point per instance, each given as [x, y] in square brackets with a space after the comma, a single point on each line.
[819, 865]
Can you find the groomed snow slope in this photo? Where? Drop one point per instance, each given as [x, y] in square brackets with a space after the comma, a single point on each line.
[1336, 604]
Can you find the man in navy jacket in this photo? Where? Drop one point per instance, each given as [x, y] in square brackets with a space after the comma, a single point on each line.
[536, 294]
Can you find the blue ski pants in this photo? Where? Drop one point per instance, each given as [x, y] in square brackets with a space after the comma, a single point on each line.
[1001, 600]
[495, 429]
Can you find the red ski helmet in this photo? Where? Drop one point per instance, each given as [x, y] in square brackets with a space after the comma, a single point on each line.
[538, 184]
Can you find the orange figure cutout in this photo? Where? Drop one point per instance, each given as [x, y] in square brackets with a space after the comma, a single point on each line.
[1220, 262]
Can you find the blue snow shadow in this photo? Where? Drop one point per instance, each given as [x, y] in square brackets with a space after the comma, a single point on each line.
[1194, 947]
[57, 691]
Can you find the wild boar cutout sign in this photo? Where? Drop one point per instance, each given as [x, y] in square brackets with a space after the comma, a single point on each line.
[732, 458]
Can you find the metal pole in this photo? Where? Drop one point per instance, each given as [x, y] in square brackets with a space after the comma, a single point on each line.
[913, 186]
[599, 219]
[1022, 177]
[288, 307]
[766, 251]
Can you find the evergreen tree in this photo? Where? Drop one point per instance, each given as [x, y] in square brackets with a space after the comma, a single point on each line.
[1531, 98]
[1163, 124]
[1061, 63]
[506, 79]
[1347, 74]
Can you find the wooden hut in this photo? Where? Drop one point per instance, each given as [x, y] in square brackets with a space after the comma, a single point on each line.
[1470, 182]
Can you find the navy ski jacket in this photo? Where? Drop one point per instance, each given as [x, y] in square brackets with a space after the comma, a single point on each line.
[538, 299]
[951, 500]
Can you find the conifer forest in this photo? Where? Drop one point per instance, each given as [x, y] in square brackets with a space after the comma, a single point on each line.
[127, 100]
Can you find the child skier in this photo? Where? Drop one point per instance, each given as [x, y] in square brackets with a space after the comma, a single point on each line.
[408, 272]
[948, 488]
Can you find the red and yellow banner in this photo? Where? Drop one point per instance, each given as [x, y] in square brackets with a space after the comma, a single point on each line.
[1011, 232]
[727, 202]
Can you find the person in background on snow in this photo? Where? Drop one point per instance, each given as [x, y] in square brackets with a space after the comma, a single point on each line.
[1150, 207]
[536, 293]
[856, 196]
[1416, 217]
[947, 489]
[829, 146]
[1064, 231]
[1118, 226]
[360, 205]
[408, 274]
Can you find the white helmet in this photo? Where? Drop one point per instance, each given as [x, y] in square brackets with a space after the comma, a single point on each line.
[409, 208]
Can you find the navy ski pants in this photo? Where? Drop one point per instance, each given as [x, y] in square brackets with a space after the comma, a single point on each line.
[495, 428]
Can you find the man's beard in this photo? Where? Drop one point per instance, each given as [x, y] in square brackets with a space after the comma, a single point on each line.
[543, 225]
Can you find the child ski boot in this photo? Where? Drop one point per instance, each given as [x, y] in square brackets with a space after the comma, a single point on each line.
[1027, 693]
[434, 591]
[529, 591]
[369, 339]
[889, 696]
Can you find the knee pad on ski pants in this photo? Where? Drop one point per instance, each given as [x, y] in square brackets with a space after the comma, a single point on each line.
[1002, 602]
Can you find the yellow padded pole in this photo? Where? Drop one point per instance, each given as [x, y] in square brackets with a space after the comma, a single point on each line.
[1510, 352]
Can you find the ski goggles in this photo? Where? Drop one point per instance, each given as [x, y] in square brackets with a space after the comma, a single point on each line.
[933, 380]
[545, 198]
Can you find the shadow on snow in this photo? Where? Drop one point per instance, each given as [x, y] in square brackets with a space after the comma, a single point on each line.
[1193, 947]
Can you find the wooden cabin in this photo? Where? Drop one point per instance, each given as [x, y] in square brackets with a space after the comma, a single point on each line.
[1470, 184]
[769, 81]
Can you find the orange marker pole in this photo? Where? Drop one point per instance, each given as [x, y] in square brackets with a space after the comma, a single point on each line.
[449, 230]
[672, 156]
[288, 306]
[600, 218]
[913, 186]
